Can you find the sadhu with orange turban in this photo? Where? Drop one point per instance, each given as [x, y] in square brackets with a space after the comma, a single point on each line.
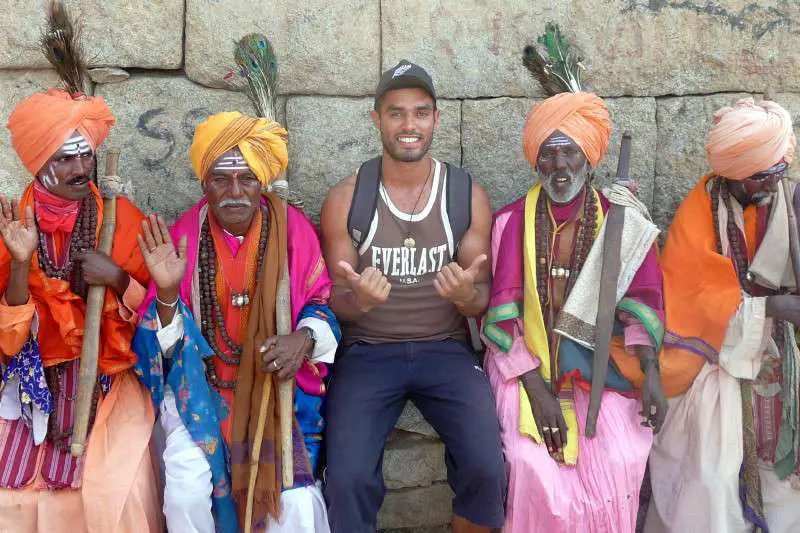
[731, 441]
[47, 261]
[540, 326]
[223, 274]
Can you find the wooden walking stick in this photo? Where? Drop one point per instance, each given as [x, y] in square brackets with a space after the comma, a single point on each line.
[90, 351]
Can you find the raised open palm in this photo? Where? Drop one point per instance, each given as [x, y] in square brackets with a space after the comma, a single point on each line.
[165, 264]
[19, 236]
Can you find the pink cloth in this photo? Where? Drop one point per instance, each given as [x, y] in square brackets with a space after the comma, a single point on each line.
[308, 278]
[601, 493]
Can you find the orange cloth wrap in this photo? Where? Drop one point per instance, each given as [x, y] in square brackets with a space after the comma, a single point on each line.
[261, 141]
[747, 139]
[583, 117]
[701, 289]
[61, 312]
[41, 123]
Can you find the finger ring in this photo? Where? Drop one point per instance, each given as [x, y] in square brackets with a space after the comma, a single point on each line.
[653, 410]
[546, 429]
[275, 364]
[554, 430]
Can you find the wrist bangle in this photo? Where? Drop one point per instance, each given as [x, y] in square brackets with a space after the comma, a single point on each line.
[165, 304]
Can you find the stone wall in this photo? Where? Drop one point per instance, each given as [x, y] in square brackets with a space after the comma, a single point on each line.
[664, 65]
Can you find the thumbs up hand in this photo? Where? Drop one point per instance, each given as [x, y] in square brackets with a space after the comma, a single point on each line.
[370, 288]
[456, 284]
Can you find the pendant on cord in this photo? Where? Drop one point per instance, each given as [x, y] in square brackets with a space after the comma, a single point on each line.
[409, 242]
[240, 299]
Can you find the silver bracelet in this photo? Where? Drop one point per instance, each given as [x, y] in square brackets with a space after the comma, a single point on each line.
[165, 304]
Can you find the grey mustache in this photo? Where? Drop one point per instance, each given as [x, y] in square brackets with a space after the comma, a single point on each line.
[235, 203]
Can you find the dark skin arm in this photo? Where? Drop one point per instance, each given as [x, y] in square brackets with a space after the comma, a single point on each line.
[100, 269]
[284, 354]
[20, 238]
[353, 294]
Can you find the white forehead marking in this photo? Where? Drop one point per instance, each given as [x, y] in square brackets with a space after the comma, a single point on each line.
[233, 161]
[558, 140]
[76, 145]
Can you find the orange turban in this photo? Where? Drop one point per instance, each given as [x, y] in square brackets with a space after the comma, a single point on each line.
[261, 141]
[583, 117]
[747, 139]
[41, 123]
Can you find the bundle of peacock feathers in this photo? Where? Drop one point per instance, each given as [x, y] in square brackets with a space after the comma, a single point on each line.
[60, 43]
[558, 69]
[258, 69]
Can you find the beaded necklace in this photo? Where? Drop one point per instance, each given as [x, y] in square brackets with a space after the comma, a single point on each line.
[81, 240]
[544, 243]
[213, 320]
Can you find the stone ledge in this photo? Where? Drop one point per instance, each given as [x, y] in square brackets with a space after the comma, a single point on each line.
[416, 507]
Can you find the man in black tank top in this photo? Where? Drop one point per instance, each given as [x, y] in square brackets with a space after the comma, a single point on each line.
[402, 297]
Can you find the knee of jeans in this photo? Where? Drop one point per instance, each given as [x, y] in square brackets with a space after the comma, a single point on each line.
[487, 470]
[344, 479]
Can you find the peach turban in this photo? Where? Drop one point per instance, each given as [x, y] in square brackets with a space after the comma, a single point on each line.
[747, 139]
[41, 123]
[261, 141]
[583, 117]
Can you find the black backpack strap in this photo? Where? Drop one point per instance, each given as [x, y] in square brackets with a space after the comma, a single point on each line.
[459, 202]
[364, 202]
[459, 211]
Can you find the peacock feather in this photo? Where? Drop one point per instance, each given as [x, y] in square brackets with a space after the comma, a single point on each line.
[256, 64]
[60, 42]
[558, 67]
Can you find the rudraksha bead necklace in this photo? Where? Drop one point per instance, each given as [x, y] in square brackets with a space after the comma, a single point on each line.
[212, 317]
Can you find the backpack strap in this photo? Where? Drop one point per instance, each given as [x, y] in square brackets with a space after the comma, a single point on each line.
[364, 202]
[459, 203]
[459, 211]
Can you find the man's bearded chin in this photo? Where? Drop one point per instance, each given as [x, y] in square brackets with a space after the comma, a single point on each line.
[562, 186]
[396, 152]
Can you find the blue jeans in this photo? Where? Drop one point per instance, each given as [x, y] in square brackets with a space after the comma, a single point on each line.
[368, 391]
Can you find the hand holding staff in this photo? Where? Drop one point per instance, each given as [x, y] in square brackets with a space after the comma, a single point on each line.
[90, 351]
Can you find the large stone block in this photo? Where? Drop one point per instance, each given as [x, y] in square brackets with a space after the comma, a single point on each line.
[412, 421]
[791, 101]
[413, 462]
[14, 86]
[322, 47]
[683, 124]
[330, 137]
[492, 142]
[156, 117]
[135, 33]
[416, 507]
[473, 48]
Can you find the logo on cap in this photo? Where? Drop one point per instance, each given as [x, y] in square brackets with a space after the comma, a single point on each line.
[399, 71]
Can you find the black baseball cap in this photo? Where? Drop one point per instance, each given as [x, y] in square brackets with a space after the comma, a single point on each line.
[403, 76]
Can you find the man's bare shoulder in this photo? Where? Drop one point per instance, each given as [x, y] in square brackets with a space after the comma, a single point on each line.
[342, 192]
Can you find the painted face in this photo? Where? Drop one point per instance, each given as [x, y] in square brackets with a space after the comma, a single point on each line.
[563, 168]
[68, 171]
[233, 192]
[759, 189]
[406, 119]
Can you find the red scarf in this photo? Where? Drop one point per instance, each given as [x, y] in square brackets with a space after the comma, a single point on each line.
[54, 213]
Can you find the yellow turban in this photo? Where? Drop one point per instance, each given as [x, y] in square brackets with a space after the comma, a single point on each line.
[747, 139]
[583, 117]
[261, 141]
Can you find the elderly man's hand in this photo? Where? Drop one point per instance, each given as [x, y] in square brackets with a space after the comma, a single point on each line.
[284, 354]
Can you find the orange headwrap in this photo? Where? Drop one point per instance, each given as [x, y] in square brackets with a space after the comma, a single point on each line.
[262, 142]
[41, 123]
[583, 117]
[747, 139]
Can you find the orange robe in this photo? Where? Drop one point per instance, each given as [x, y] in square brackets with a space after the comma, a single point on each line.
[114, 487]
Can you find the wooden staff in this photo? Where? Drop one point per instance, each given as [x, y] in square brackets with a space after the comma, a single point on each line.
[283, 326]
[794, 239]
[607, 303]
[90, 351]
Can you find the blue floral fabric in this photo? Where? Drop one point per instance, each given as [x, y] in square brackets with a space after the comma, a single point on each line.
[28, 368]
[201, 408]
